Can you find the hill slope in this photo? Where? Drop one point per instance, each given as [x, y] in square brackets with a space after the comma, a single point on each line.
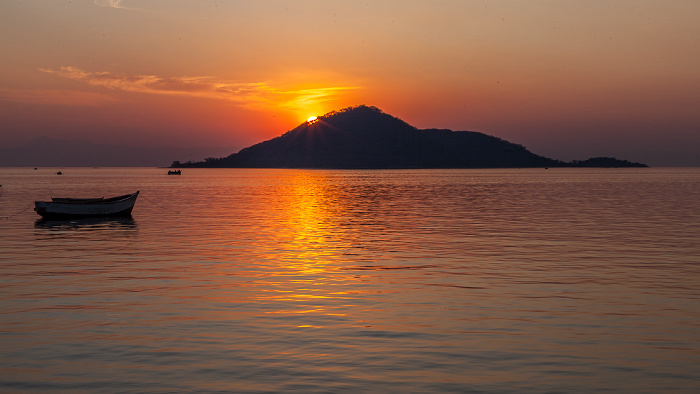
[365, 137]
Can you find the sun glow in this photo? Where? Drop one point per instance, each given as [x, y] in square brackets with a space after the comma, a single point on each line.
[311, 119]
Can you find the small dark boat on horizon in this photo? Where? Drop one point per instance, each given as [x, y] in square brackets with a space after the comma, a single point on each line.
[175, 172]
[68, 208]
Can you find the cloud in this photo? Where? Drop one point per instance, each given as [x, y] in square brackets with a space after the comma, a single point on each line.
[113, 4]
[55, 97]
[251, 94]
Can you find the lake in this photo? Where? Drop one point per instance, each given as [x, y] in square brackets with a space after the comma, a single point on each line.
[263, 280]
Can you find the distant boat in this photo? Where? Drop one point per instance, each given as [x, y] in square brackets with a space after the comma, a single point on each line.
[176, 172]
[66, 208]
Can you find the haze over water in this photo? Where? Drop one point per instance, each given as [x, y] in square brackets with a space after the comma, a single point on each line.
[244, 280]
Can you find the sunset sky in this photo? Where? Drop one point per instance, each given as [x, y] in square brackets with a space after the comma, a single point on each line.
[567, 79]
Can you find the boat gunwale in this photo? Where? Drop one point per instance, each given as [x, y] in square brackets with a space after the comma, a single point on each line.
[89, 201]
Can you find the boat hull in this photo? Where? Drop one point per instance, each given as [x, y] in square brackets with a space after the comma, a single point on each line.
[85, 208]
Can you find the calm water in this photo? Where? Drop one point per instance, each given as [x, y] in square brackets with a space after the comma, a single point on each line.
[565, 280]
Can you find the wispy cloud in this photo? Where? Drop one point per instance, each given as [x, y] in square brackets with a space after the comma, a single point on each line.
[249, 94]
[55, 97]
[114, 4]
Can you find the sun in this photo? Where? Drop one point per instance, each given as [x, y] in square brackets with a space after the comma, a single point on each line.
[312, 119]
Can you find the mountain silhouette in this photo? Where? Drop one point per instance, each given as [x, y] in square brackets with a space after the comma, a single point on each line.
[364, 137]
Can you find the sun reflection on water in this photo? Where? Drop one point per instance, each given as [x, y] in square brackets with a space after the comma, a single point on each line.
[307, 223]
[306, 283]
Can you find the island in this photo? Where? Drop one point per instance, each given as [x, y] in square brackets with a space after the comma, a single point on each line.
[364, 137]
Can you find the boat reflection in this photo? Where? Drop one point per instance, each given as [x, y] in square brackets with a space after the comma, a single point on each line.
[106, 222]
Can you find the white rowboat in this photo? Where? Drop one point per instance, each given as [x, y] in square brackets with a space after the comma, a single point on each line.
[66, 208]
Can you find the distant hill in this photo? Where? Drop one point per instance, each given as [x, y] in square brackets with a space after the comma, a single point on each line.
[48, 152]
[604, 162]
[364, 137]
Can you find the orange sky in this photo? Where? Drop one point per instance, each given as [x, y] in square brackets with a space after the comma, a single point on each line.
[567, 79]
